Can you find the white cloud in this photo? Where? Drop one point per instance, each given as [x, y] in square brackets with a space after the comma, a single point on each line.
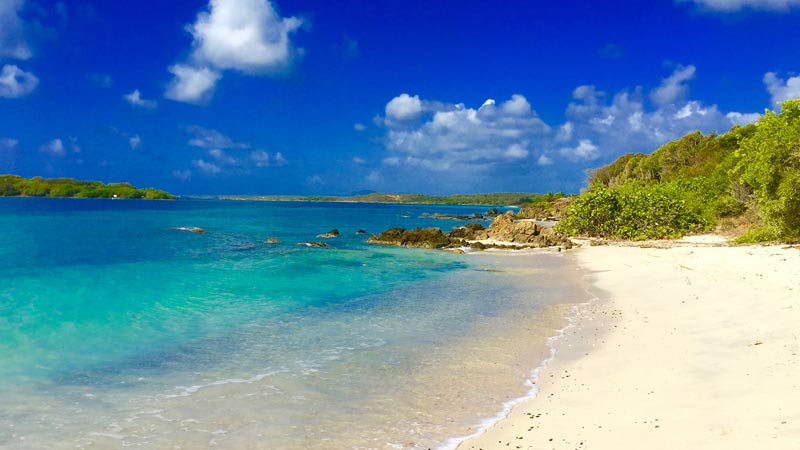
[212, 139]
[248, 36]
[674, 86]
[454, 136]
[500, 141]
[279, 160]
[222, 158]
[404, 107]
[191, 84]
[359, 127]
[260, 158]
[544, 160]
[8, 144]
[135, 99]
[359, 161]
[15, 82]
[737, 118]
[53, 148]
[728, 6]
[207, 167]
[626, 122]
[584, 151]
[135, 141]
[781, 90]
[182, 175]
[12, 31]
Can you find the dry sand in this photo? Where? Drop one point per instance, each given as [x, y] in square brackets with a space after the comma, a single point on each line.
[690, 347]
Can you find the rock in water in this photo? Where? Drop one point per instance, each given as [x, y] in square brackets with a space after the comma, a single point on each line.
[361, 232]
[418, 237]
[314, 244]
[273, 241]
[330, 234]
[191, 229]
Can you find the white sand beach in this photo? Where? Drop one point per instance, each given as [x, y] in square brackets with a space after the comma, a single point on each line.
[691, 347]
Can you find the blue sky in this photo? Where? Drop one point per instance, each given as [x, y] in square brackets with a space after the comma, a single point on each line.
[308, 97]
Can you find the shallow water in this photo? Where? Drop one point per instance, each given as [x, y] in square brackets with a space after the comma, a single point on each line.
[117, 330]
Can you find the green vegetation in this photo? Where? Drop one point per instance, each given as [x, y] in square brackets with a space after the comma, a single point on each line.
[748, 177]
[12, 186]
[500, 198]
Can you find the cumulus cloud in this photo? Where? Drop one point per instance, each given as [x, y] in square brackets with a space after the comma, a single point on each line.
[729, 6]
[544, 160]
[211, 139]
[207, 167]
[463, 144]
[673, 87]
[781, 90]
[260, 158]
[248, 36]
[440, 136]
[135, 141]
[135, 99]
[191, 84]
[359, 127]
[15, 82]
[403, 107]
[584, 151]
[737, 118]
[224, 155]
[12, 31]
[54, 148]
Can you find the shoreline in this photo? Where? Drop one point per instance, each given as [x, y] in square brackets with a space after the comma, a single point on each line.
[675, 319]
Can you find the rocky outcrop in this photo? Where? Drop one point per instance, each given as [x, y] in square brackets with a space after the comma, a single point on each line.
[505, 228]
[470, 231]
[361, 232]
[418, 237]
[273, 241]
[504, 233]
[330, 234]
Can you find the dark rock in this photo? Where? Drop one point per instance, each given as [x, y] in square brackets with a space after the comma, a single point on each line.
[418, 237]
[458, 251]
[361, 232]
[330, 234]
[314, 244]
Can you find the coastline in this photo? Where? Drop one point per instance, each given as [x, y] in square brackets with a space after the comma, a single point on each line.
[690, 346]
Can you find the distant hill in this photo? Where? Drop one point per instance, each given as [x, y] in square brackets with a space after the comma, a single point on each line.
[15, 186]
[500, 198]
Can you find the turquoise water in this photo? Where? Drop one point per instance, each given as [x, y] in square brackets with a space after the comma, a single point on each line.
[117, 329]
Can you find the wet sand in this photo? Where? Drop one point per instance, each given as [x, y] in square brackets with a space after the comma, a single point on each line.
[693, 346]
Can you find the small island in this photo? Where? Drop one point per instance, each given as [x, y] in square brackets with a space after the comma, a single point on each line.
[16, 186]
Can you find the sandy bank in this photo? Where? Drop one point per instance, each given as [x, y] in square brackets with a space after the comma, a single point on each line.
[691, 347]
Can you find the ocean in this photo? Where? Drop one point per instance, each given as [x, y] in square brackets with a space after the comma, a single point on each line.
[118, 329]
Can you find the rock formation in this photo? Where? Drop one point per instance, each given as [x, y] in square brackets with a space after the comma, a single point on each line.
[330, 234]
[504, 232]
